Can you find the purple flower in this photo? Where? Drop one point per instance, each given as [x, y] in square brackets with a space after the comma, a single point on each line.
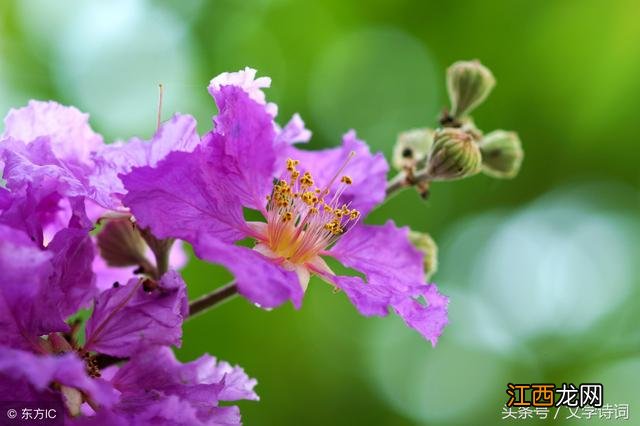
[47, 148]
[58, 175]
[27, 308]
[157, 389]
[130, 317]
[40, 287]
[312, 211]
[27, 376]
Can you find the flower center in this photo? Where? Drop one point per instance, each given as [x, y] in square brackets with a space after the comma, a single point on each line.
[303, 219]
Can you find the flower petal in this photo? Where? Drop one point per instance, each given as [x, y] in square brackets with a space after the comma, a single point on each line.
[383, 253]
[177, 134]
[182, 198]
[259, 278]
[247, 81]
[198, 386]
[293, 132]
[242, 145]
[72, 139]
[429, 319]
[127, 319]
[32, 374]
[26, 308]
[73, 280]
[375, 299]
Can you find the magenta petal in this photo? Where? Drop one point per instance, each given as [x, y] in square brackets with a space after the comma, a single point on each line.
[242, 145]
[36, 165]
[21, 370]
[177, 134]
[127, 319]
[430, 319]
[182, 198]
[383, 253]
[247, 81]
[26, 308]
[375, 299]
[237, 385]
[195, 386]
[259, 278]
[73, 278]
[72, 138]
[368, 171]
[293, 132]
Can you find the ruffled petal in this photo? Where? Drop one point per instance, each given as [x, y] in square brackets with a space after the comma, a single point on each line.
[383, 254]
[242, 146]
[183, 197]
[35, 166]
[177, 134]
[293, 132]
[430, 319]
[247, 81]
[72, 138]
[129, 318]
[259, 278]
[374, 299]
[32, 375]
[197, 386]
[27, 309]
[73, 281]
[237, 384]
[368, 171]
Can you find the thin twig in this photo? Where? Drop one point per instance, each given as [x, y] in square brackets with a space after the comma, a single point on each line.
[402, 180]
[215, 298]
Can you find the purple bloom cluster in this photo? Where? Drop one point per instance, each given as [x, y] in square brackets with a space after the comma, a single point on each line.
[60, 182]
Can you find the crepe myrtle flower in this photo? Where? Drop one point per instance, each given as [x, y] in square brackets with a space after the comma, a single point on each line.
[312, 204]
[50, 271]
[41, 358]
[56, 167]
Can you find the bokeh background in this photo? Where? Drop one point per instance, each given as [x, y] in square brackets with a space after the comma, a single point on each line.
[542, 270]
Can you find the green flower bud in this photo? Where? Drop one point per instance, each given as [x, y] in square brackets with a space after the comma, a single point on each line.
[468, 83]
[454, 155]
[502, 154]
[412, 148]
[428, 247]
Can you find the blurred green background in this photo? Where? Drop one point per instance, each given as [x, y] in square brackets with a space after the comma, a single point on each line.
[542, 271]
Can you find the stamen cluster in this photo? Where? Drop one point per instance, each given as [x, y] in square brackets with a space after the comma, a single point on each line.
[304, 219]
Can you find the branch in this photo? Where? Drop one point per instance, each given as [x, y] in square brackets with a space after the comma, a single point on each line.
[215, 298]
[404, 180]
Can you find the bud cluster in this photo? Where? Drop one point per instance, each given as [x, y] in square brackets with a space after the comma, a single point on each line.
[459, 149]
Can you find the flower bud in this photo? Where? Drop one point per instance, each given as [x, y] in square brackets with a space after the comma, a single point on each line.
[120, 243]
[502, 154]
[424, 243]
[454, 155]
[468, 83]
[412, 148]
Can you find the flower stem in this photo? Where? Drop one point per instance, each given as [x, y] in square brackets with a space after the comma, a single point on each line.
[403, 180]
[215, 298]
